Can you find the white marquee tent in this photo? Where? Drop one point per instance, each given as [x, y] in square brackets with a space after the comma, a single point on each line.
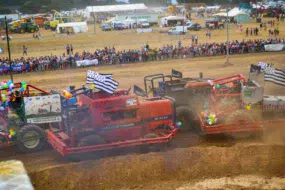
[76, 27]
[113, 8]
[232, 13]
[240, 16]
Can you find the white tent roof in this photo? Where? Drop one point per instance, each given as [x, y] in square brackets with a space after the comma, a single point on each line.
[232, 13]
[110, 20]
[174, 18]
[115, 8]
[70, 24]
[235, 11]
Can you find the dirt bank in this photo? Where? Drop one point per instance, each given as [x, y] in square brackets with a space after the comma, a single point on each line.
[139, 171]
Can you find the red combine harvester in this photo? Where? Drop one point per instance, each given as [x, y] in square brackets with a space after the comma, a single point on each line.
[101, 121]
[238, 107]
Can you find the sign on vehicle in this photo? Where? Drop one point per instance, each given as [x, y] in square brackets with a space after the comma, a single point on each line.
[43, 109]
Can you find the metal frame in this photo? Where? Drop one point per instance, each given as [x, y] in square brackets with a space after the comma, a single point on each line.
[151, 78]
[64, 150]
[26, 93]
[233, 127]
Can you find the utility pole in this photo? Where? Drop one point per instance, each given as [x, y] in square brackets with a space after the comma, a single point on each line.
[94, 19]
[8, 46]
[227, 22]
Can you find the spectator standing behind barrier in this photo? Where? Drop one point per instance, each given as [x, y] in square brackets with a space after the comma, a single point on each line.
[67, 49]
[71, 49]
[25, 50]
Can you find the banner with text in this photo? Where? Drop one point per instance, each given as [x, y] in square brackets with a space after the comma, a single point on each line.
[274, 47]
[86, 62]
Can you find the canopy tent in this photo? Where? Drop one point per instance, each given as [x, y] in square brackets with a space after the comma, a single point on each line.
[242, 17]
[236, 11]
[113, 8]
[76, 27]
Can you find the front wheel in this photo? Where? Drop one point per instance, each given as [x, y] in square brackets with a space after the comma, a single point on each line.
[31, 138]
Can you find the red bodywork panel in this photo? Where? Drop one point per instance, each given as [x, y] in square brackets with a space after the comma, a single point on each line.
[119, 122]
[140, 125]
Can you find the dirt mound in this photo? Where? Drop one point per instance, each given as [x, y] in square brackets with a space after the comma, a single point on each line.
[239, 182]
[184, 164]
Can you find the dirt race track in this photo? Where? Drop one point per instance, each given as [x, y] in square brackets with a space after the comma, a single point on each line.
[191, 162]
[188, 160]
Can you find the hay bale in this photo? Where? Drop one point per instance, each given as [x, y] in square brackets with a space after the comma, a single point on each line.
[14, 176]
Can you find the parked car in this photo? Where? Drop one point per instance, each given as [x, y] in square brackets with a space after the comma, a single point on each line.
[119, 26]
[194, 26]
[143, 23]
[106, 27]
[177, 30]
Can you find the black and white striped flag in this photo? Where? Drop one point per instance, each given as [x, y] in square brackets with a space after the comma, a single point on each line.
[102, 82]
[274, 75]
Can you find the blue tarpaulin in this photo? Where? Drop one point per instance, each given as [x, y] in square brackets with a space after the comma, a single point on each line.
[14, 68]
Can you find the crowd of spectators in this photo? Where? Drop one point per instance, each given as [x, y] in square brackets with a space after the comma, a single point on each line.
[145, 53]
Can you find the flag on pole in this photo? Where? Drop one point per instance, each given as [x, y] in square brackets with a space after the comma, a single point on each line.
[176, 74]
[275, 75]
[254, 68]
[102, 82]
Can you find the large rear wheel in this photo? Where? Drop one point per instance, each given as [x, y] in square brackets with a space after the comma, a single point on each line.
[31, 138]
[184, 115]
[90, 140]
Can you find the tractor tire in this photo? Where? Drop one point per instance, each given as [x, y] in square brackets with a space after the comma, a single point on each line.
[238, 117]
[184, 115]
[37, 29]
[90, 140]
[36, 136]
[32, 30]
[22, 31]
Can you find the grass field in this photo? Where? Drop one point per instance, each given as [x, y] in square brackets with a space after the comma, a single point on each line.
[127, 39]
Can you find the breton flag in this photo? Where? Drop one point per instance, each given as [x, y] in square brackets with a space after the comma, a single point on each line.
[271, 74]
[102, 82]
[274, 75]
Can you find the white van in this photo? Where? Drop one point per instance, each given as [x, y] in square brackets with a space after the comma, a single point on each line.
[178, 30]
[143, 23]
